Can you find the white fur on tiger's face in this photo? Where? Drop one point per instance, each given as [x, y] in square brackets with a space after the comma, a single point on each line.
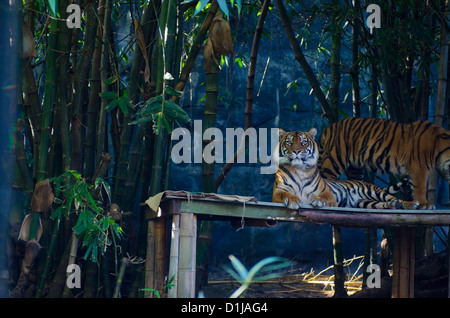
[298, 149]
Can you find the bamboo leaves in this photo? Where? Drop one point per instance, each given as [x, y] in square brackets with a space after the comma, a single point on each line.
[96, 228]
[222, 4]
[162, 111]
[123, 102]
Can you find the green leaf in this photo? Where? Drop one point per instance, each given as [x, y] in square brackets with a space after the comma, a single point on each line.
[53, 6]
[174, 112]
[224, 7]
[110, 80]
[239, 6]
[173, 92]
[258, 267]
[200, 6]
[124, 104]
[88, 251]
[141, 120]
[166, 125]
[56, 214]
[239, 267]
[113, 104]
[233, 273]
[108, 95]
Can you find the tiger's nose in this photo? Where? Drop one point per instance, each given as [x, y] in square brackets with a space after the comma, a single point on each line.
[297, 151]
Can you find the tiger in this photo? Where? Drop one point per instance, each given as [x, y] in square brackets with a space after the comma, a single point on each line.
[382, 146]
[298, 181]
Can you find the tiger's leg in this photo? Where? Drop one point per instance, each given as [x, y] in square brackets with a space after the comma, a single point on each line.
[325, 199]
[290, 200]
[419, 181]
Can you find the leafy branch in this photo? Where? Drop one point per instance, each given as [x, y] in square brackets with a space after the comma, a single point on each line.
[96, 228]
[161, 110]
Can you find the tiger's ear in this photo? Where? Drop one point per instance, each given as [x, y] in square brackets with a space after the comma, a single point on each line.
[312, 132]
[281, 133]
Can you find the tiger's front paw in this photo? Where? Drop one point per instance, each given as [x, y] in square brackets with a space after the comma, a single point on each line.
[426, 206]
[292, 202]
[411, 205]
[318, 203]
[403, 205]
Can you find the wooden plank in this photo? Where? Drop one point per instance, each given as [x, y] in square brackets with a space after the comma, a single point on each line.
[346, 217]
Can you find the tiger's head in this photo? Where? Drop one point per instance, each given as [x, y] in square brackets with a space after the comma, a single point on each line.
[298, 149]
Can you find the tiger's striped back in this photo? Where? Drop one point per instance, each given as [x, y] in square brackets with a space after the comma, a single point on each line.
[383, 146]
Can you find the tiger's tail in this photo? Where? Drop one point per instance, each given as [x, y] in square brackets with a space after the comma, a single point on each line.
[404, 185]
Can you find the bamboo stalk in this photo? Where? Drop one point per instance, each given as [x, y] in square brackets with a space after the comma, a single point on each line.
[105, 68]
[439, 114]
[47, 116]
[21, 159]
[335, 61]
[47, 111]
[50, 250]
[80, 88]
[59, 280]
[32, 109]
[72, 256]
[196, 47]
[123, 267]
[62, 100]
[209, 121]
[127, 171]
[94, 97]
[354, 70]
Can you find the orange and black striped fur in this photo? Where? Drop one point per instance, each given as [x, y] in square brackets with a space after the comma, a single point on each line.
[298, 181]
[384, 146]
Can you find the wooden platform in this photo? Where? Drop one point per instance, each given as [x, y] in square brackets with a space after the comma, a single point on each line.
[184, 210]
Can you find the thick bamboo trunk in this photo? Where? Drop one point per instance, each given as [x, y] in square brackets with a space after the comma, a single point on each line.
[128, 157]
[80, 86]
[94, 97]
[354, 70]
[62, 98]
[196, 47]
[439, 114]
[105, 67]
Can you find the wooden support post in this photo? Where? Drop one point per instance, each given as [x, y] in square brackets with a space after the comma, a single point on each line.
[187, 255]
[160, 254]
[155, 263]
[403, 280]
[174, 256]
[150, 258]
